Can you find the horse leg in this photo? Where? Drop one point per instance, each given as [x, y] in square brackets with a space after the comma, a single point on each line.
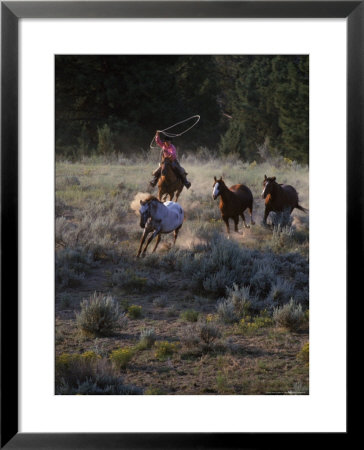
[176, 231]
[250, 208]
[266, 212]
[236, 222]
[226, 220]
[145, 234]
[244, 222]
[178, 193]
[156, 244]
[149, 241]
[171, 195]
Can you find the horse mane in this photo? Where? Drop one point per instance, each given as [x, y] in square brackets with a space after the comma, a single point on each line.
[150, 198]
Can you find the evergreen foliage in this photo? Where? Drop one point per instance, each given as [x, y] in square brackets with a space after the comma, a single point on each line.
[115, 103]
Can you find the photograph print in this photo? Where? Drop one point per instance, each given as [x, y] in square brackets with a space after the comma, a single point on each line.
[181, 224]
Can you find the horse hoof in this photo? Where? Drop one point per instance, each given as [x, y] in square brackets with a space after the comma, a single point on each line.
[253, 223]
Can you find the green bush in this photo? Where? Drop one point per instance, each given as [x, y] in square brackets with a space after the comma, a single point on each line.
[164, 350]
[75, 367]
[190, 315]
[121, 357]
[135, 312]
[99, 315]
[304, 354]
[250, 324]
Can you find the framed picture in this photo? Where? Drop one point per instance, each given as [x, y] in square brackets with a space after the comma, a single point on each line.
[65, 64]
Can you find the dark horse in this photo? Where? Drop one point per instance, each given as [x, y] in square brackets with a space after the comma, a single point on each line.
[233, 202]
[279, 197]
[169, 183]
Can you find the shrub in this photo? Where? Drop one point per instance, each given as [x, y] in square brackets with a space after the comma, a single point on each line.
[281, 291]
[189, 337]
[89, 374]
[240, 298]
[135, 311]
[263, 276]
[99, 384]
[71, 266]
[164, 350]
[154, 391]
[208, 332]
[90, 355]
[226, 311]
[75, 367]
[289, 316]
[147, 338]
[121, 357]
[217, 264]
[282, 220]
[304, 354]
[190, 315]
[251, 324]
[99, 315]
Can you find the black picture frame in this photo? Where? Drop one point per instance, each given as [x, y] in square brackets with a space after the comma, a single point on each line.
[11, 12]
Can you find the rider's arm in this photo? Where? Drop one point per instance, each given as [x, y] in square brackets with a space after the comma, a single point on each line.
[158, 140]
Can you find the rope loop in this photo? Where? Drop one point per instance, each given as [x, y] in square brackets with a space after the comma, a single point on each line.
[173, 135]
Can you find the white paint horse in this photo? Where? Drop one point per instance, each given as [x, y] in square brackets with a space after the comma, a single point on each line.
[158, 217]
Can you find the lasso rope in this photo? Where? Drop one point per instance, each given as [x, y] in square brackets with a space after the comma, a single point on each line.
[173, 135]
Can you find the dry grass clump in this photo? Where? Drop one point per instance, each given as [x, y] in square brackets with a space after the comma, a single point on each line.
[147, 338]
[89, 374]
[290, 316]
[201, 334]
[99, 315]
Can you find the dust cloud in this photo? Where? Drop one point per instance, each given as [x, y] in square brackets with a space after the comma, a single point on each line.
[135, 203]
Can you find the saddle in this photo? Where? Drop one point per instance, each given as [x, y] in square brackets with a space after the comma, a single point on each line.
[178, 170]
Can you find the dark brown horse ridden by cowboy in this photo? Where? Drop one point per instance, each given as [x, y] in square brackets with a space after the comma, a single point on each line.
[169, 154]
[279, 197]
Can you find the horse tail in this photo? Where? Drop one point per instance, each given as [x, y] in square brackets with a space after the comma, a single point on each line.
[305, 210]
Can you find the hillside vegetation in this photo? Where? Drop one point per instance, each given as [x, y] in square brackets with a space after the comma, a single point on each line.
[216, 314]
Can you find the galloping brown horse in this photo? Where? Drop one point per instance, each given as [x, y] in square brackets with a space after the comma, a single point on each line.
[233, 202]
[279, 197]
[169, 183]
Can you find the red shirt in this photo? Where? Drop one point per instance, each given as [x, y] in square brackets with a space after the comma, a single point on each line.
[169, 150]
